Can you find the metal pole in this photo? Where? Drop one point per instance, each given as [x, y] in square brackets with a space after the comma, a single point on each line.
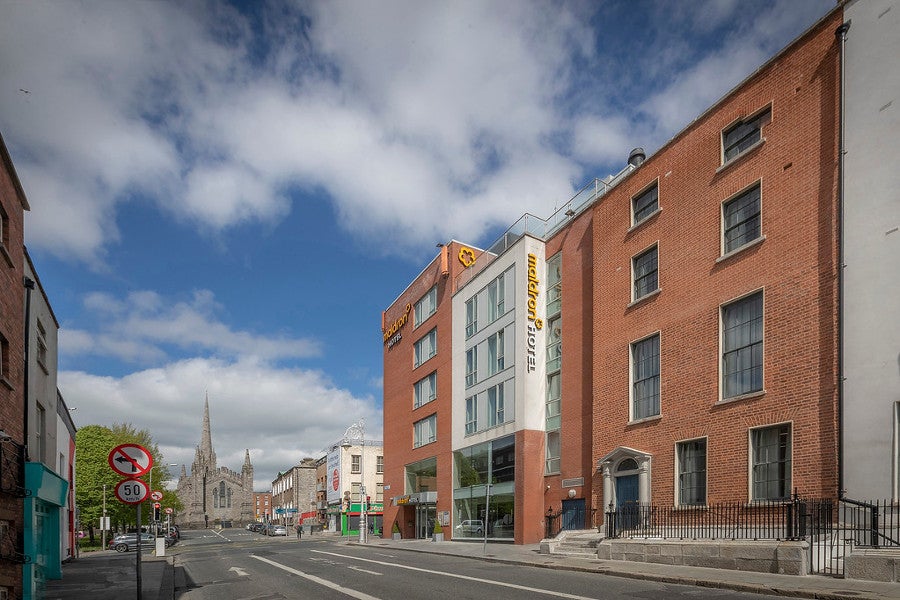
[138, 560]
[363, 525]
[103, 519]
[487, 512]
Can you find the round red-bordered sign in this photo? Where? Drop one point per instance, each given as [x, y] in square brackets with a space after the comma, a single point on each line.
[132, 491]
[130, 460]
[156, 495]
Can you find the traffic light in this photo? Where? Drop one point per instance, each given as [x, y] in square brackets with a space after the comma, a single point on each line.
[156, 511]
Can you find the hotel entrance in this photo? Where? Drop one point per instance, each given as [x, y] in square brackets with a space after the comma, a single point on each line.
[426, 514]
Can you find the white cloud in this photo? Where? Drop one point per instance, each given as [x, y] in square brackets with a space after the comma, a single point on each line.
[280, 415]
[141, 327]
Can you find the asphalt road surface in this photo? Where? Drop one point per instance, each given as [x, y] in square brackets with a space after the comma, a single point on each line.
[238, 564]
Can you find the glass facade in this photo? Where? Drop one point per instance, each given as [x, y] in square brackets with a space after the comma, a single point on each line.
[477, 505]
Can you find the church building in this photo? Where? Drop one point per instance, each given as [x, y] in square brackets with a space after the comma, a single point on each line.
[213, 495]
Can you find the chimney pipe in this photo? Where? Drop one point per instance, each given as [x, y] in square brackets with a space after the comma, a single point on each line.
[637, 157]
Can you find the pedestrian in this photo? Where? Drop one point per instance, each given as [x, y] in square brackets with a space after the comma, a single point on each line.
[299, 531]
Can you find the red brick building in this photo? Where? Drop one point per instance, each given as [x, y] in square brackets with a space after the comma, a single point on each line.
[668, 337]
[13, 203]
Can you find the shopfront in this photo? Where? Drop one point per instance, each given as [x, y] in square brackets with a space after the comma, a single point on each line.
[484, 490]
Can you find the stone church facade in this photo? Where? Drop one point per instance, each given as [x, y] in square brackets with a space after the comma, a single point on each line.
[213, 495]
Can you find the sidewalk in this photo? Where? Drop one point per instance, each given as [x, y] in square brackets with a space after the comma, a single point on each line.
[110, 575]
[811, 586]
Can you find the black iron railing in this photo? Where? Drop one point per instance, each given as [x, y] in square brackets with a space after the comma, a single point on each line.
[572, 519]
[872, 524]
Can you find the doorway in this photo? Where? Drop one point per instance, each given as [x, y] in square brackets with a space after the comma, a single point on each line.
[572, 514]
[627, 505]
[426, 514]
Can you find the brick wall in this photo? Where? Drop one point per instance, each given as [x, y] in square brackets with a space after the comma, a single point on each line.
[795, 267]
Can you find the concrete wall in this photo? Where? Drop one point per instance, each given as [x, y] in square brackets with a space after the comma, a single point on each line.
[785, 558]
[871, 314]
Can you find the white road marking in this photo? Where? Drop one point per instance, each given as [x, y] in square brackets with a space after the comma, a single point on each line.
[240, 572]
[361, 570]
[319, 580]
[458, 576]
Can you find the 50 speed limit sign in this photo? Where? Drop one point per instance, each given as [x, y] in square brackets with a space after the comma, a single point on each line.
[132, 491]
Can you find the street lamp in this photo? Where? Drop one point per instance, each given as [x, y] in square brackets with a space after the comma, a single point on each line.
[358, 430]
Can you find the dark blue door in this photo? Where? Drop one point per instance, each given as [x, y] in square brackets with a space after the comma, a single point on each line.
[573, 514]
[627, 501]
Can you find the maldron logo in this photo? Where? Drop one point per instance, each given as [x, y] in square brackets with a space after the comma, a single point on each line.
[534, 322]
[466, 257]
[392, 333]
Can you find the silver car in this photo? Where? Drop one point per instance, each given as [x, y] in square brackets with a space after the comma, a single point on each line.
[128, 541]
[279, 530]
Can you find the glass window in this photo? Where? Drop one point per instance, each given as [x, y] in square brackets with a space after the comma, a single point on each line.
[496, 299]
[425, 390]
[42, 344]
[471, 316]
[425, 307]
[554, 344]
[741, 219]
[425, 348]
[554, 285]
[425, 431]
[355, 462]
[495, 405]
[495, 353]
[771, 462]
[743, 134]
[645, 204]
[379, 464]
[554, 395]
[553, 453]
[645, 273]
[471, 415]
[691, 458]
[421, 476]
[645, 378]
[472, 366]
[742, 346]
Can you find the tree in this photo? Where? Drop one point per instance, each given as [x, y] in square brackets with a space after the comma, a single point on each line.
[93, 443]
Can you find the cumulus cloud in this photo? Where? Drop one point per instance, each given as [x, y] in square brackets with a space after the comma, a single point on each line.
[279, 415]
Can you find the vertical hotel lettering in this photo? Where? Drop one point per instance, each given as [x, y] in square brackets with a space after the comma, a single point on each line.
[534, 323]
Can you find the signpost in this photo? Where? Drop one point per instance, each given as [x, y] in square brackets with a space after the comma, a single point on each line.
[131, 461]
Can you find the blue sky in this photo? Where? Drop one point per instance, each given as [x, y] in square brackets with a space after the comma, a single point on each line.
[225, 196]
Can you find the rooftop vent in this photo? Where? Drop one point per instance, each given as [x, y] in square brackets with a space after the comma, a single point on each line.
[637, 157]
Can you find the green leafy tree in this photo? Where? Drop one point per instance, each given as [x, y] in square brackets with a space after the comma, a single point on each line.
[93, 443]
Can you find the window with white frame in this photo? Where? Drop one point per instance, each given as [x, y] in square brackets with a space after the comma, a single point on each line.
[554, 395]
[771, 451]
[471, 316]
[496, 293]
[425, 390]
[645, 204]
[41, 433]
[744, 134]
[425, 307]
[472, 366]
[741, 219]
[425, 348]
[379, 464]
[495, 353]
[379, 492]
[554, 285]
[645, 378]
[471, 415]
[552, 462]
[554, 344]
[495, 406]
[742, 346]
[355, 463]
[645, 273]
[425, 431]
[691, 457]
[41, 344]
[355, 491]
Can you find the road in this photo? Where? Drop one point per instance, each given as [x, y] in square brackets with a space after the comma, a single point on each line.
[237, 564]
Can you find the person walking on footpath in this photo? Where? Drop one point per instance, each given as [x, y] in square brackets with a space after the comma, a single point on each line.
[299, 531]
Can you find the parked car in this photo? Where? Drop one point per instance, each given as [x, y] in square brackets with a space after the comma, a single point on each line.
[126, 542]
[470, 527]
[279, 530]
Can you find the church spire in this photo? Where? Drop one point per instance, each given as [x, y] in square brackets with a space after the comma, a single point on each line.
[206, 447]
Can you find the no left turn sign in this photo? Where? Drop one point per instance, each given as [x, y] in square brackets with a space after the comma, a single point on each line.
[156, 495]
[130, 460]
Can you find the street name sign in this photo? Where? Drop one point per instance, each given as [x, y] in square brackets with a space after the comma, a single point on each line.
[130, 460]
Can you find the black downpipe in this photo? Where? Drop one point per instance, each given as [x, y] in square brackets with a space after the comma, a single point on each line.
[841, 32]
[29, 286]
